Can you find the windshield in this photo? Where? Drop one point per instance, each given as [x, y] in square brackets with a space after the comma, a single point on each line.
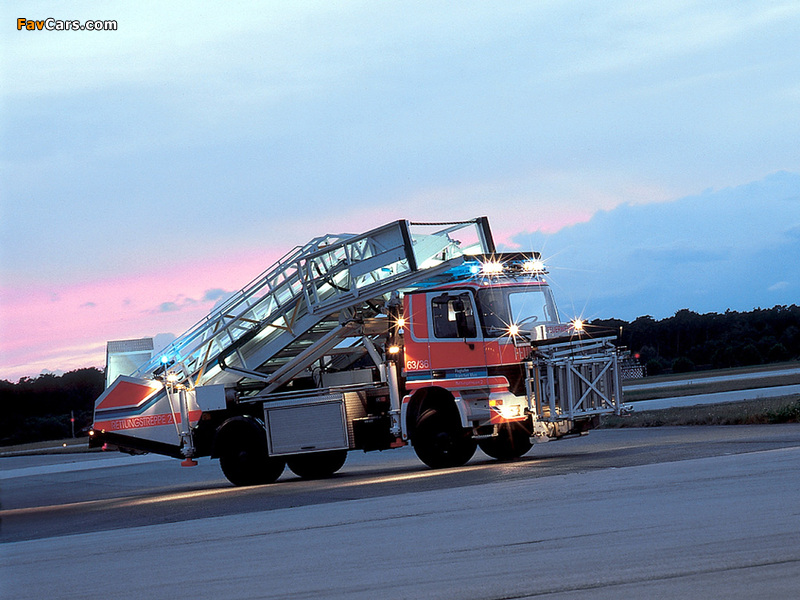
[526, 308]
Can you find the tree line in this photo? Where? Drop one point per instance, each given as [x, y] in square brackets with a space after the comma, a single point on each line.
[40, 408]
[690, 341]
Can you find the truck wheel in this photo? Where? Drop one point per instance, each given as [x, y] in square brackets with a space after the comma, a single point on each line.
[317, 465]
[512, 441]
[439, 442]
[245, 461]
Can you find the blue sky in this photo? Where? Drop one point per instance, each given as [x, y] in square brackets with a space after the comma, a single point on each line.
[145, 169]
[735, 248]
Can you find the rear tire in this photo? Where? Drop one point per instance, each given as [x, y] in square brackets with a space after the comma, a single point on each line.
[441, 442]
[244, 459]
[512, 441]
[317, 465]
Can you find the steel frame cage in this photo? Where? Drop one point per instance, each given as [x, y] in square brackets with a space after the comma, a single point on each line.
[574, 380]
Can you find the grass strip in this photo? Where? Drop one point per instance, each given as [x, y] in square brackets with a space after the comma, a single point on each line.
[783, 409]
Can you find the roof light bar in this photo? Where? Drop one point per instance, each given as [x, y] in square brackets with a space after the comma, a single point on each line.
[492, 268]
[535, 265]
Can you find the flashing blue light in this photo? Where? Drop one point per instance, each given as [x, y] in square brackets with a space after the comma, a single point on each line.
[165, 359]
[475, 269]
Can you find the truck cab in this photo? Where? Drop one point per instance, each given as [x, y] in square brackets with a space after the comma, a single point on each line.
[469, 346]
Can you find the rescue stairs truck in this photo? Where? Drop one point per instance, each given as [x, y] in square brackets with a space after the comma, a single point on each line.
[415, 333]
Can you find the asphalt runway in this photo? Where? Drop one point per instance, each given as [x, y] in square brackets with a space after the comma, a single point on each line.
[695, 511]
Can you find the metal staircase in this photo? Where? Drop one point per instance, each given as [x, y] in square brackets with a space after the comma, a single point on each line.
[301, 307]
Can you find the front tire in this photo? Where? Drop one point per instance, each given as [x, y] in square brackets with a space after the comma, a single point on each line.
[441, 442]
[512, 441]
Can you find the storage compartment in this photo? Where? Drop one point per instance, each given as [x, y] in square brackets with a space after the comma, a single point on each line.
[306, 428]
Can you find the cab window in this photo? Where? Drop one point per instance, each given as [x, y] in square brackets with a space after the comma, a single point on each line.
[452, 316]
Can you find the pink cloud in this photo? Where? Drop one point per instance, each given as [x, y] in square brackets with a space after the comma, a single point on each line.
[67, 327]
[62, 327]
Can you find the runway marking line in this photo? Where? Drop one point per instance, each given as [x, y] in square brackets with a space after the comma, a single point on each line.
[126, 502]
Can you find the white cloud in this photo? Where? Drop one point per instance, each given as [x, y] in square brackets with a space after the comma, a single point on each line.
[161, 341]
[711, 252]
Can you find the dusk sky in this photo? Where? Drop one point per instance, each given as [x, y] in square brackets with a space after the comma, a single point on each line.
[149, 171]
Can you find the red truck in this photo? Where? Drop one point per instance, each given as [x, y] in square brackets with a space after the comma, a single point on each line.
[417, 333]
